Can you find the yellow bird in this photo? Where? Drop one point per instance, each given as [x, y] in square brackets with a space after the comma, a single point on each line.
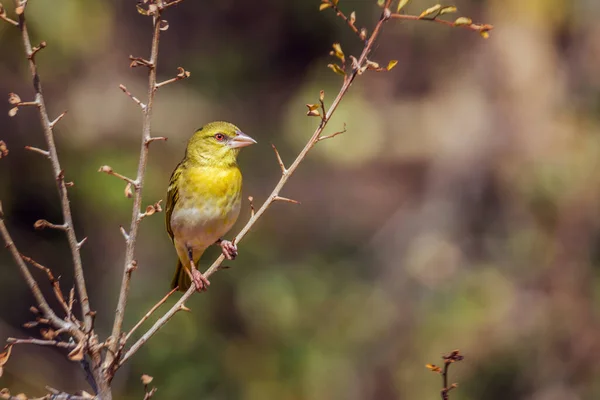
[204, 198]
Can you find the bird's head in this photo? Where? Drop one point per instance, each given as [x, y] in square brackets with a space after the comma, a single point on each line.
[217, 143]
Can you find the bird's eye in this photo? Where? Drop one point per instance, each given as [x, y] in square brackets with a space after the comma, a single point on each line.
[220, 137]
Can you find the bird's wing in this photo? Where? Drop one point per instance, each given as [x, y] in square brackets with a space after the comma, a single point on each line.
[172, 196]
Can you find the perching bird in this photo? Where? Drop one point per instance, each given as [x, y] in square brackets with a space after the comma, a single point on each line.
[204, 198]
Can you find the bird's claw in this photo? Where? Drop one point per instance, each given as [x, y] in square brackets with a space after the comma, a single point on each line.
[229, 249]
[199, 280]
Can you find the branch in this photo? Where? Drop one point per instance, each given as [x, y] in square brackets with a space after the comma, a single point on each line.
[155, 10]
[39, 342]
[49, 314]
[55, 285]
[274, 196]
[58, 173]
[459, 23]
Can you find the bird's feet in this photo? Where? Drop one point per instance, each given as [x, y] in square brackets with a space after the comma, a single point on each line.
[200, 281]
[229, 249]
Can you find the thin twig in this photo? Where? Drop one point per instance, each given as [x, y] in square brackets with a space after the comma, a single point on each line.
[53, 281]
[58, 173]
[279, 160]
[274, 194]
[472, 27]
[39, 342]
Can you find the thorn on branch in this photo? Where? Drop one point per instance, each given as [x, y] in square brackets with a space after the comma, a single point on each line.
[57, 119]
[182, 74]
[279, 198]
[332, 135]
[36, 150]
[82, 242]
[36, 49]
[132, 97]
[43, 224]
[279, 160]
[125, 235]
[108, 170]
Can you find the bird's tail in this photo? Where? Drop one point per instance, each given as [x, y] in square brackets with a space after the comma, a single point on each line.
[181, 278]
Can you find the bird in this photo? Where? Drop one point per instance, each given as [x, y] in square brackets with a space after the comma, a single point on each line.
[204, 199]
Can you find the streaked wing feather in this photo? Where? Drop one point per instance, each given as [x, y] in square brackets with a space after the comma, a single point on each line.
[172, 196]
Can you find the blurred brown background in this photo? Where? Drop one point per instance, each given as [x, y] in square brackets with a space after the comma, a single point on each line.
[460, 210]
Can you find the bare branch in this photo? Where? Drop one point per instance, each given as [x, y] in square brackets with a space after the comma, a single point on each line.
[274, 194]
[58, 171]
[49, 314]
[39, 342]
[109, 365]
[481, 28]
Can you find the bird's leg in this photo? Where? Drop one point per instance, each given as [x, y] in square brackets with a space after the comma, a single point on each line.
[196, 276]
[229, 249]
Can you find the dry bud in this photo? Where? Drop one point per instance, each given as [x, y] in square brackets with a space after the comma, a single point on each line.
[40, 224]
[14, 98]
[3, 149]
[146, 379]
[105, 168]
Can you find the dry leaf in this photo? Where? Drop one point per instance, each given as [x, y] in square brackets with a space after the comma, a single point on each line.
[392, 64]
[324, 6]
[448, 10]
[5, 355]
[337, 69]
[401, 5]
[352, 17]
[164, 25]
[77, 353]
[337, 50]
[105, 168]
[4, 393]
[433, 368]
[13, 111]
[313, 113]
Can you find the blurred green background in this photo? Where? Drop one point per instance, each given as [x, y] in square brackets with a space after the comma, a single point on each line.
[460, 210]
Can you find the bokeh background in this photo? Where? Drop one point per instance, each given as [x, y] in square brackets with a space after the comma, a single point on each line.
[460, 210]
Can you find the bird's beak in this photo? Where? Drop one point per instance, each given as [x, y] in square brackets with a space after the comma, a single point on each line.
[241, 140]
